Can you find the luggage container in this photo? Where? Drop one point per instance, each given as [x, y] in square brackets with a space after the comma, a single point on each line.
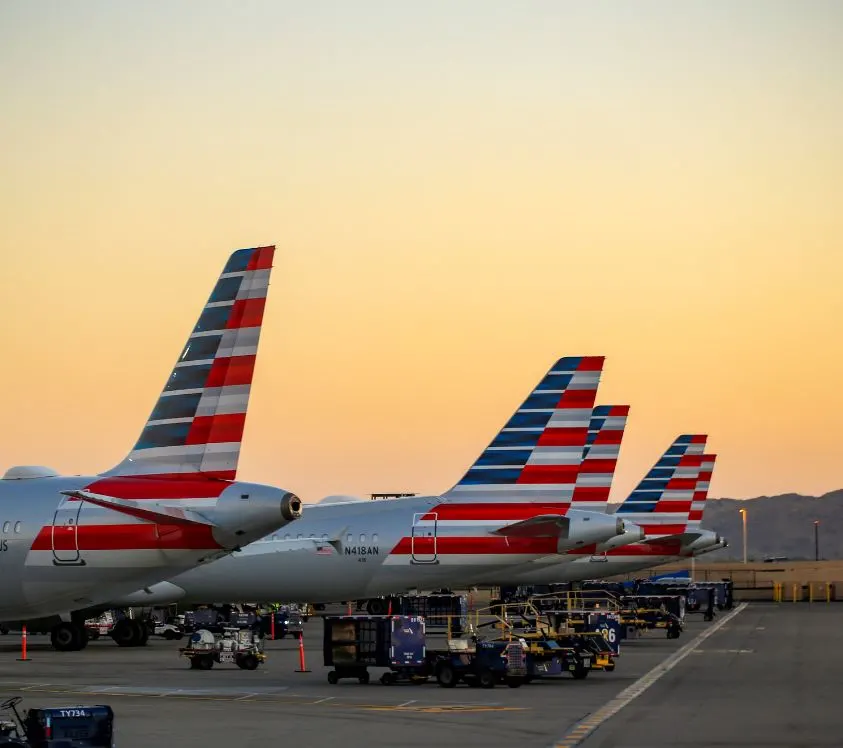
[353, 644]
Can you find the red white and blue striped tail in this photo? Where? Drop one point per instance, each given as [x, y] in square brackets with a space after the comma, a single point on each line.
[661, 504]
[701, 493]
[196, 427]
[537, 455]
[600, 457]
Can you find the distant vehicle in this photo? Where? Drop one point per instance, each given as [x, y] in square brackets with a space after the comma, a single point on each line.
[775, 559]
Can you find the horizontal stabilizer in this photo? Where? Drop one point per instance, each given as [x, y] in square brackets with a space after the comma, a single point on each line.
[543, 526]
[157, 513]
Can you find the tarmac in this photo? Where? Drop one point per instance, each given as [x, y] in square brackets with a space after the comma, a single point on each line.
[764, 674]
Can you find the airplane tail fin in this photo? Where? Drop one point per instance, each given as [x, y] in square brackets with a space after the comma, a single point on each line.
[537, 455]
[196, 426]
[600, 457]
[701, 492]
[661, 504]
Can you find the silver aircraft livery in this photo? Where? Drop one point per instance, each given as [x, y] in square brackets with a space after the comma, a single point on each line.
[72, 542]
[518, 502]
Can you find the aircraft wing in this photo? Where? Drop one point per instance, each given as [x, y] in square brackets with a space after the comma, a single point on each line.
[146, 510]
[543, 526]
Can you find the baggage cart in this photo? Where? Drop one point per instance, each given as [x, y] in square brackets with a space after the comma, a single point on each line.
[353, 644]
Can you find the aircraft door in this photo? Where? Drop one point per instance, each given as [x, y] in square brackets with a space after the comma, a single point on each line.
[423, 538]
[65, 534]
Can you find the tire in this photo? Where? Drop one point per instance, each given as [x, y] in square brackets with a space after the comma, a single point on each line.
[169, 635]
[514, 682]
[194, 663]
[446, 676]
[142, 634]
[363, 680]
[610, 668]
[386, 679]
[67, 637]
[581, 673]
[125, 634]
[486, 679]
[248, 662]
[332, 678]
[206, 662]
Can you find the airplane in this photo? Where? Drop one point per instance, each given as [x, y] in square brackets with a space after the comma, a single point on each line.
[667, 504]
[513, 505]
[69, 543]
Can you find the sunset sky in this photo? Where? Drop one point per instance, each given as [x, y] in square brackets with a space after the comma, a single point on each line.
[460, 193]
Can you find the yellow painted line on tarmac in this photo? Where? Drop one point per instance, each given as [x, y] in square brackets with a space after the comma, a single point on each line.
[586, 727]
[443, 708]
[253, 698]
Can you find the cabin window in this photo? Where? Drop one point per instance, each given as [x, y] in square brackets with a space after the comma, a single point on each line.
[6, 526]
[349, 538]
[287, 536]
[299, 536]
[362, 538]
[374, 538]
[17, 526]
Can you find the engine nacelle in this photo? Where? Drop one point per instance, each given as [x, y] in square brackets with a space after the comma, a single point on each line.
[247, 512]
[706, 540]
[585, 528]
[632, 533]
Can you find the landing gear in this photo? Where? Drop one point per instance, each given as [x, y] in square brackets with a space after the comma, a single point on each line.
[69, 637]
[130, 633]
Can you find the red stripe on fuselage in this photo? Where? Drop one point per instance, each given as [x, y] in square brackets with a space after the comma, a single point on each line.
[493, 512]
[649, 529]
[126, 538]
[159, 488]
[681, 484]
[477, 545]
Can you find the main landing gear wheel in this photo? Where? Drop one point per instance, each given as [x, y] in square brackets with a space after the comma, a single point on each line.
[130, 633]
[69, 637]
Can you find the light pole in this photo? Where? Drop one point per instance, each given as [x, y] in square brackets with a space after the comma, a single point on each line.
[743, 516]
[817, 539]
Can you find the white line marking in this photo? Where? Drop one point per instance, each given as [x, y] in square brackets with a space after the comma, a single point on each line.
[327, 698]
[407, 703]
[585, 727]
[246, 696]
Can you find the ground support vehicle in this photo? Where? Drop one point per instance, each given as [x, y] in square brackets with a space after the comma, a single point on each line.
[658, 612]
[64, 727]
[481, 663]
[241, 647]
[171, 631]
[288, 621]
[353, 644]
